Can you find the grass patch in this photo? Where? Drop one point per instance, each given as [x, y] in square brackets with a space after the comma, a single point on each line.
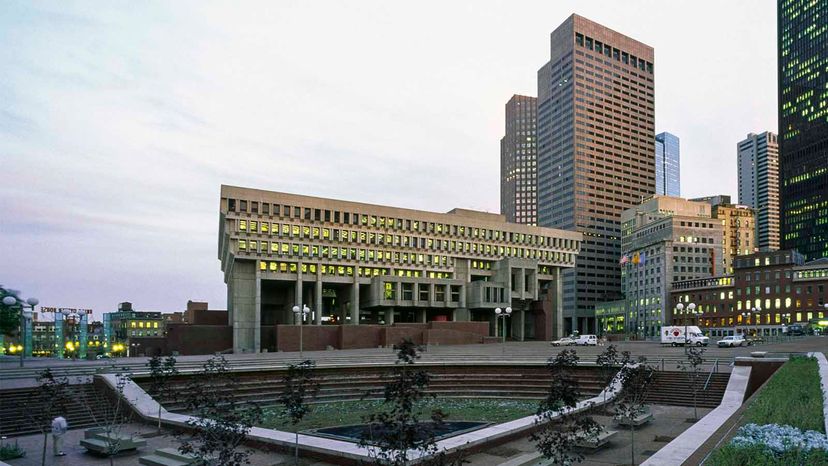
[791, 397]
[352, 412]
[730, 455]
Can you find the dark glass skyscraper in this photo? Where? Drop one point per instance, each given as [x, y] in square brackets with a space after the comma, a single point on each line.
[667, 165]
[803, 125]
[596, 140]
[518, 161]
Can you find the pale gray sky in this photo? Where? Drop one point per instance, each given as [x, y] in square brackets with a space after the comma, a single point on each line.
[119, 120]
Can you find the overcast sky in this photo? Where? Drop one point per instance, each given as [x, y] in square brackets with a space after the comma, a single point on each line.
[119, 121]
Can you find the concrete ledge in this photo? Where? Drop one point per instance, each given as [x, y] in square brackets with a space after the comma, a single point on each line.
[680, 449]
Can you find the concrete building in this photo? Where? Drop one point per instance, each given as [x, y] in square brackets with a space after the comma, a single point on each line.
[596, 140]
[138, 331]
[355, 264]
[663, 239]
[739, 223]
[758, 159]
[803, 124]
[766, 292]
[518, 161]
[668, 165]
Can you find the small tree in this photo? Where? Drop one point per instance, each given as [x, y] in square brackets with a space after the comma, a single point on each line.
[221, 422]
[300, 386]
[110, 414]
[398, 428]
[50, 400]
[560, 429]
[608, 362]
[636, 381]
[692, 367]
[161, 373]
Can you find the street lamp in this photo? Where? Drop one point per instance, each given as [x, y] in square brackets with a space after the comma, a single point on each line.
[301, 313]
[691, 309]
[503, 313]
[25, 316]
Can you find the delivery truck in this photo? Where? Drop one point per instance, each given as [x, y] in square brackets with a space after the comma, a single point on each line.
[674, 336]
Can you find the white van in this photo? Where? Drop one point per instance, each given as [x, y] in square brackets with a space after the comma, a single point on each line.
[674, 335]
[587, 340]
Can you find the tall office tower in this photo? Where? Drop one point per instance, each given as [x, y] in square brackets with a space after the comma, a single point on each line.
[596, 134]
[518, 161]
[739, 228]
[803, 124]
[758, 158]
[668, 166]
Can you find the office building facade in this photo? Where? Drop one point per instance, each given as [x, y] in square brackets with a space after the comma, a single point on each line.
[758, 160]
[664, 239]
[739, 228]
[361, 264]
[803, 125]
[518, 161]
[668, 164]
[596, 135]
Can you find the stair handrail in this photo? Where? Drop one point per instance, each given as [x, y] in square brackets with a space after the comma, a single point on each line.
[713, 367]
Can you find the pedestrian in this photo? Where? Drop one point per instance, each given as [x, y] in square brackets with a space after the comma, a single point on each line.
[59, 427]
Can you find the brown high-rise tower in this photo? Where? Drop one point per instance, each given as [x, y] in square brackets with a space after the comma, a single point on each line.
[518, 161]
[596, 139]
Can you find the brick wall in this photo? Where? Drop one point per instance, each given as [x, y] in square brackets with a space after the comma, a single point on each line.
[197, 339]
[314, 337]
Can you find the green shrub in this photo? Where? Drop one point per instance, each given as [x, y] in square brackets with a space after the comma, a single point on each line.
[730, 455]
[11, 451]
[792, 397]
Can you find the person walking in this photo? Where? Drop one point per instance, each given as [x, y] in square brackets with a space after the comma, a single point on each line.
[59, 427]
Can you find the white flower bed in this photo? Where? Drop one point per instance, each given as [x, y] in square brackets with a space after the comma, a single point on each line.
[780, 438]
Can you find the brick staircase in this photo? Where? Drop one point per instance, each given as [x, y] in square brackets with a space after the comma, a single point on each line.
[672, 388]
[85, 406]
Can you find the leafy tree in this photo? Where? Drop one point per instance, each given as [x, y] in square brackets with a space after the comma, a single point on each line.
[560, 429]
[221, 422]
[300, 385]
[692, 367]
[396, 431]
[49, 401]
[636, 381]
[162, 370]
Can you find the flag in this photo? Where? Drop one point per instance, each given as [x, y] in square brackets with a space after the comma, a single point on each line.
[624, 259]
[636, 259]
[643, 258]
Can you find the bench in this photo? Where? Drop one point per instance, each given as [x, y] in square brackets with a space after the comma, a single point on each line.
[596, 441]
[168, 457]
[638, 420]
[97, 440]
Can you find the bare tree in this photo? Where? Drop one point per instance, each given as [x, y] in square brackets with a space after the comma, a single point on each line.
[50, 400]
[161, 373]
[560, 429]
[692, 367]
[608, 362]
[636, 381]
[110, 414]
[397, 430]
[300, 386]
[221, 422]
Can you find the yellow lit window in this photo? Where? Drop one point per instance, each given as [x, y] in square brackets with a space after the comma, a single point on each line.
[253, 226]
[242, 244]
[265, 227]
[155, 325]
[262, 265]
[243, 225]
[132, 324]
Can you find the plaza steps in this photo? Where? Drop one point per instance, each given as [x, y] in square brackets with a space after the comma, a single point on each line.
[673, 388]
[86, 407]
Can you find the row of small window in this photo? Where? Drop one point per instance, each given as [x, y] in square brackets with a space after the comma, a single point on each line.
[609, 51]
[368, 237]
[140, 324]
[347, 270]
[407, 292]
[768, 319]
[421, 226]
[820, 273]
[333, 252]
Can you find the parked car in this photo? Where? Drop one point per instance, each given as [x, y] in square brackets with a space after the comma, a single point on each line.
[102, 356]
[587, 340]
[731, 341]
[754, 339]
[565, 341]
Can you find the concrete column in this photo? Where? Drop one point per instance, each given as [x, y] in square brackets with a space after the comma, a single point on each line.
[518, 325]
[463, 295]
[389, 316]
[556, 287]
[355, 303]
[244, 300]
[520, 283]
[431, 295]
[317, 301]
[297, 293]
[422, 316]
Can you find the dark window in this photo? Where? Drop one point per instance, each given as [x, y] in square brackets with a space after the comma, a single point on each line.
[317, 214]
[265, 208]
[307, 213]
[254, 207]
[277, 209]
[579, 39]
[346, 217]
[297, 212]
[231, 205]
[243, 206]
[327, 215]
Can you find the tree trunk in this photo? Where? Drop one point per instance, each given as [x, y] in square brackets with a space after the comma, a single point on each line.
[45, 440]
[297, 445]
[159, 418]
[632, 443]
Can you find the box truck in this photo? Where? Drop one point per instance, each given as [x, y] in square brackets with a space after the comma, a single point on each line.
[674, 335]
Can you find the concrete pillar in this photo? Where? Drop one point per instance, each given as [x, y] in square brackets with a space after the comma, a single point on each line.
[556, 287]
[317, 301]
[461, 315]
[297, 293]
[244, 300]
[355, 303]
[518, 325]
[520, 283]
[422, 316]
[389, 316]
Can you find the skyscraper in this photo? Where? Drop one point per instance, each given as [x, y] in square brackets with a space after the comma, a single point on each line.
[667, 165]
[596, 134]
[518, 161]
[758, 159]
[803, 125]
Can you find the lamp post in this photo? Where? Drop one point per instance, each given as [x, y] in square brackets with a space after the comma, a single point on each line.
[691, 309]
[25, 316]
[73, 317]
[503, 314]
[301, 313]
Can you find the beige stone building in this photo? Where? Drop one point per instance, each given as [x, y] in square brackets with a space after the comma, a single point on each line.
[353, 263]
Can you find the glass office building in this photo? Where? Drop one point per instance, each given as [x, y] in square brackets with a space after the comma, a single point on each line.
[667, 165]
